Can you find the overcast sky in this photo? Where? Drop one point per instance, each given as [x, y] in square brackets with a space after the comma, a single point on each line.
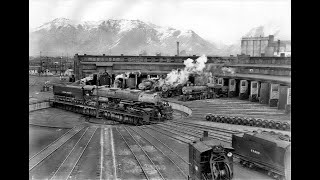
[215, 20]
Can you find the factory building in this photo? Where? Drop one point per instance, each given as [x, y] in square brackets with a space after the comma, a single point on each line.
[265, 46]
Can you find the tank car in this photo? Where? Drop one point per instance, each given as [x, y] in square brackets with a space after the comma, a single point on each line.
[210, 159]
[271, 152]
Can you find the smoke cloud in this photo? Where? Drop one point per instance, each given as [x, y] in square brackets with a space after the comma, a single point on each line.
[178, 76]
[226, 70]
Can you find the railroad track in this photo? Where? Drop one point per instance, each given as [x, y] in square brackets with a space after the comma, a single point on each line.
[214, 134]
[210, 128]
[150, 172]
[191, 134]
[48, 150]
[67, 167]
[70, 162]
[194, 125]
[167, 155]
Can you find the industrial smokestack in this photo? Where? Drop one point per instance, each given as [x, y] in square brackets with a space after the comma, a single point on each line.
[278, 47]
[178, 48]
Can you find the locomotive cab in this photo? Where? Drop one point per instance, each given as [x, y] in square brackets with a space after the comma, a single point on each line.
[210, 159]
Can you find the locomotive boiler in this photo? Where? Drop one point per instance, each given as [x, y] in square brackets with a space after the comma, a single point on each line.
[122, 105]
[268, 151]
[210, 159]
[146, 84]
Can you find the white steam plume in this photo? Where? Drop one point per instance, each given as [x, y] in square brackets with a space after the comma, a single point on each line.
[226, 70]
[179, 76]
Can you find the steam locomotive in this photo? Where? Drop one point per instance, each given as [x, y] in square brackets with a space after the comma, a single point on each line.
[271, 152]
[197, 92]
[171, 91]
[122, 105]
[210, 159]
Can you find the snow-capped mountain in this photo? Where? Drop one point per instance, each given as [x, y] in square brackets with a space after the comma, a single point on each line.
[129, 37]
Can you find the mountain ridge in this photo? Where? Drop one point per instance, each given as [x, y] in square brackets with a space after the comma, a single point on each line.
[122, 36]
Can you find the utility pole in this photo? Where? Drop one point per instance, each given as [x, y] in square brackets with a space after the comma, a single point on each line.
[47, 65]
[97, 102]
[60, 66]
[40, 65]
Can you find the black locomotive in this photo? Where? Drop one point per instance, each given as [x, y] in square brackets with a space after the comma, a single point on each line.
[210, 159]
[122, 105]
[271, 152]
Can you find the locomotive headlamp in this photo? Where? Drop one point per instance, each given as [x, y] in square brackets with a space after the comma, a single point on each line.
[229, 154]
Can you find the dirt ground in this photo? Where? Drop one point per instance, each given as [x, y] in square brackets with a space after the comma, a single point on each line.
[36, 84]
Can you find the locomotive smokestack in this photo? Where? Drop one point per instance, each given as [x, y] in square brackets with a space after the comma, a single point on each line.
[178, 48]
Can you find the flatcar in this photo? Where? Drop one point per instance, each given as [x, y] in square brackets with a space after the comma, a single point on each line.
[210, 159]
[122, 105]
[271, 152]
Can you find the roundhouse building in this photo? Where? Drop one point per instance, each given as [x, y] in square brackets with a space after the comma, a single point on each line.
[263, 79]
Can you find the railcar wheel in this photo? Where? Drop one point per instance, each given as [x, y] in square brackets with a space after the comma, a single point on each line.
[228, 120]
[258, 123]
[277, 125]
[265, 123]
[223, 119]
[238, 121]
[250, 122]
[208, 117]
[231, 120]
[284, 126]
[245, 121]
[218, 119]
[214, 118]
[271, 124]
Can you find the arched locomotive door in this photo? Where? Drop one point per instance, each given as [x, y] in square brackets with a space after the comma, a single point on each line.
[243, 94]
[254, 91]
[232, 88]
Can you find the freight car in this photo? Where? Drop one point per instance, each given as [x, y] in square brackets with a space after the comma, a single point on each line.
[264, 150]
[210, 159]
[125, 106]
